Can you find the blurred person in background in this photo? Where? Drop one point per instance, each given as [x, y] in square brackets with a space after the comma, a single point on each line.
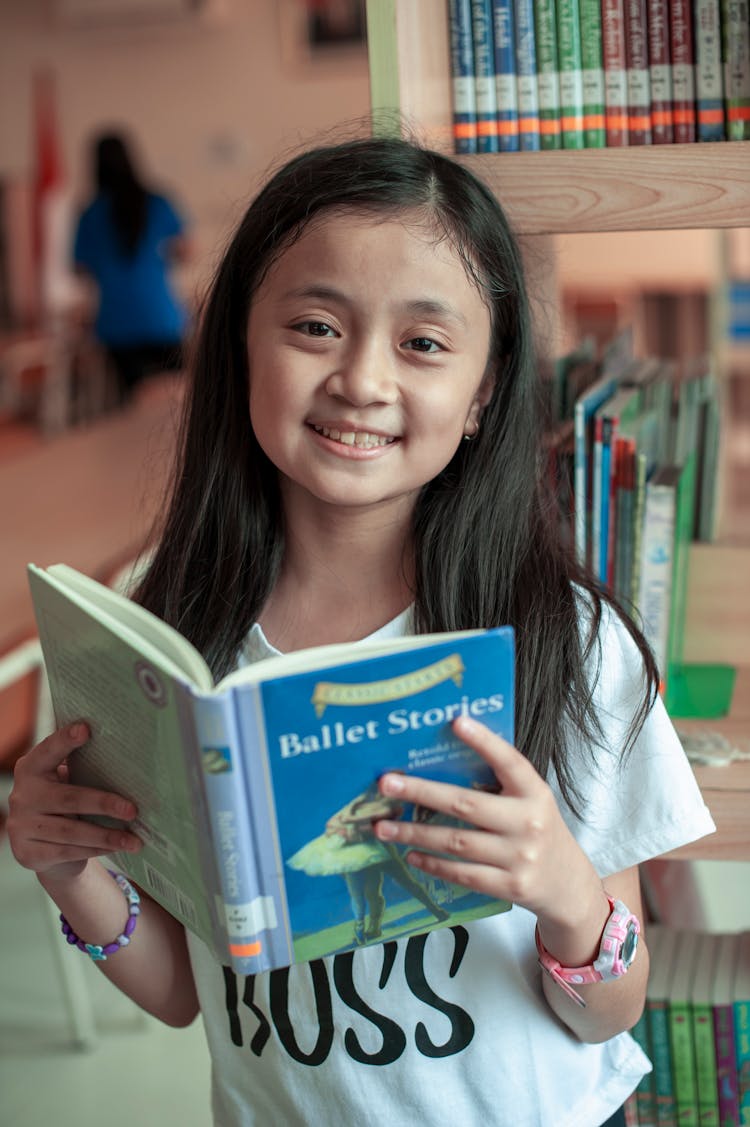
[128, 239]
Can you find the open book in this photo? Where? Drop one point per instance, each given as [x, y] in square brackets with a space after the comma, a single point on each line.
[256, 797]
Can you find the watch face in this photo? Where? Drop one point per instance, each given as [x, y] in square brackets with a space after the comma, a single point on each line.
[629, 945]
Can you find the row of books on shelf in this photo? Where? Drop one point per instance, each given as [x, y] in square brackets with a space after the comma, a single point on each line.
[573, 74]
[695, 1030]
[633, 455]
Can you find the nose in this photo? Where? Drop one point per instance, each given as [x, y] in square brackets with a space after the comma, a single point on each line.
[365, 375]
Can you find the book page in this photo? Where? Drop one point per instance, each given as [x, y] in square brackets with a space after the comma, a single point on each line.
[148, 626]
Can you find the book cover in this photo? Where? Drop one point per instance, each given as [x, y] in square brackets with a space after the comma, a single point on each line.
[709, 81]
[505, 76]
[736, 40]
[614, 412]
[741, 1015]
[615, 73]
[645, 1093]
[585, 408]
[682, 51]
[548, 84]
[484, 75]
[571, 72]
[463, 83]
[701, 1000]
[660, 72]
[592, 63]
[661, 941]
[257, 796]
[528, 94]
[724, 1030]
[657, 561]
[639, 77]
[683, 530]
[624, 492]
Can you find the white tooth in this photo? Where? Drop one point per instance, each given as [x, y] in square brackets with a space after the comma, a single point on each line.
[361, 439]
[347, 437]
[334, 434]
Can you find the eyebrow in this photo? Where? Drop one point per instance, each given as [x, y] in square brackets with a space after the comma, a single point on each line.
[419, 307]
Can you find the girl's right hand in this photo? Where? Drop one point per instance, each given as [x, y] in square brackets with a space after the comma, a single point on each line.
[44, 826]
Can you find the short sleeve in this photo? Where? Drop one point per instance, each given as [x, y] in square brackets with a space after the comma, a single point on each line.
[640, 799]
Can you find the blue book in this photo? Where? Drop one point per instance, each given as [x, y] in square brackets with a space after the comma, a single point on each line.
[583, 431]
[463, 81]
[484, 75]
[528, 90]
[257, 796]
[505, 76]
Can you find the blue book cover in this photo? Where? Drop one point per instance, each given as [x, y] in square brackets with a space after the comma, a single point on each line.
[257, 796]
[463, 81]
[328, 735]
[528, 91]
[505, 76]
[583, 430]
[484, 75]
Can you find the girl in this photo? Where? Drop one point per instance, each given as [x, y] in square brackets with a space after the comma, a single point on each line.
[360, 457]
[127, 239]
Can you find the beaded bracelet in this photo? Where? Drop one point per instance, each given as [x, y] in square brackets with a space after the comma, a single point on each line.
[97, 953]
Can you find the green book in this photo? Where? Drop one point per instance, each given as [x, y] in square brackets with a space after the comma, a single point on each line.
[592, 66]
[683, 529]
[704, 1046]
[547, 77]
[684, 958]
[661, 941]
[571, 72]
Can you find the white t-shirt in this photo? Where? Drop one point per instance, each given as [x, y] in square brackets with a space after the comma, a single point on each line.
[452, 1027]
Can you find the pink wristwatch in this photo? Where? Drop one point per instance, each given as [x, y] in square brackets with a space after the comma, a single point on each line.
[616, 953]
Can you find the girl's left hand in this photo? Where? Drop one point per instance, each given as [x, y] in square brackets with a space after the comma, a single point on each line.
[517, 846]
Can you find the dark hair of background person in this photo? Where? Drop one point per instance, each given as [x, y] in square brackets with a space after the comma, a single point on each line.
[486, 538]
[116, 177]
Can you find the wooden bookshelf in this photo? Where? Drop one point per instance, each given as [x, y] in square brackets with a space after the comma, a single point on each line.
[644, 188]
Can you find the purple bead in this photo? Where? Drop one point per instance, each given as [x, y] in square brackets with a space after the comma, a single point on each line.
[130, 926]
[71, 938]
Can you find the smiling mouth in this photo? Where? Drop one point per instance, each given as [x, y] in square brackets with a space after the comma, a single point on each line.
[361, 438]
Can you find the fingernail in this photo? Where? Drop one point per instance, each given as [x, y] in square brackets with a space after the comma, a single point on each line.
[385, 830]
[465, 724]
[76, 731]
[391, 784]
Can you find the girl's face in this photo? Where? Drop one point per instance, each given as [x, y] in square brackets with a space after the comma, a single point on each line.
[367, 348]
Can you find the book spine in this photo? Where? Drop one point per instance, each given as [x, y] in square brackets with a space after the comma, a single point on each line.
[736, 37]
[705, 1065]
[592, 64]
[741, 1015]
[709, 84]
[580, 474]
[505, 77]
[622, 548]
[639, 79]
[548, 83]
[658, 1028]
[682, 50]
[484, 75]
[615, 73]
[246, 912]
[639, 503]
[683, 1063]
[660, 72]
[463, 83]
[528, 95]
[571, 73]
[684, 514]
[657, 553]
[726, 1068]
[596, 499]
[645, 1095]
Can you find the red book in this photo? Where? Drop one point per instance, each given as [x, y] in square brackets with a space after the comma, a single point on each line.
[660, 67]
[639, 79]
[615, 72]
[682, 48]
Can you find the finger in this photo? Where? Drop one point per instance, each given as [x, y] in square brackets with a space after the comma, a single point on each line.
[486, 879]
[512, 769]
[78, 801]
[54, 750]
[516, 850]
[50, 830]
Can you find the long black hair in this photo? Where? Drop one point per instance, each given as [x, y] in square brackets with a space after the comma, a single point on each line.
[486, 539]
[116, 178]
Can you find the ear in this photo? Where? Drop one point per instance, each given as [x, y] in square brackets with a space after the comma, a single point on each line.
[481, 399]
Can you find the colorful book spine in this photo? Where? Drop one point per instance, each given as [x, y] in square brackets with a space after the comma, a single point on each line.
[681, 1042]
[682, 49]
[657, 1010]
[638, 78]
[724, 1030]
[615, 73]
[622, 548]
[639, 505]
[506, 91]
[592, 64]
[528, 95]
[736, 36]
[463, 83]
[657, 561]
[645, 1093]
[709, 82]
[484, 75]
[571, 72]
[741, 1017]
[548, 82]
[660, 68]
[703, 1031]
